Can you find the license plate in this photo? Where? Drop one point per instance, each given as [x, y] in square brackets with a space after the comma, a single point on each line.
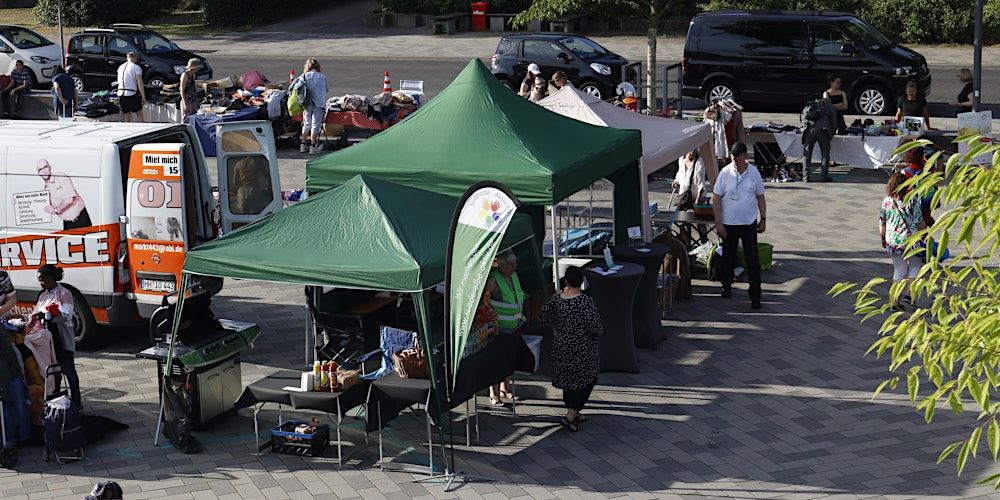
[157, 286]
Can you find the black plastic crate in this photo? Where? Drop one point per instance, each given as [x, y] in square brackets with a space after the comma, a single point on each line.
[285, 440]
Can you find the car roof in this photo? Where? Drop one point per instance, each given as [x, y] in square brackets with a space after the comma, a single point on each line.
[18, 132]
[777, 14]
[116, 28]
[547, 35]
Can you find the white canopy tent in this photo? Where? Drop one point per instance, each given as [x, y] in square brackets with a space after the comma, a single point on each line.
[663, 140]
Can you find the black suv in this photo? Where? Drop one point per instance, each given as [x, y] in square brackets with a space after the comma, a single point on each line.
[782, 58]
[590, 67]
[93, 57]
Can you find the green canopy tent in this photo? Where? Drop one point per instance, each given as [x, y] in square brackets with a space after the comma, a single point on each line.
[366, 234]
[477, 129]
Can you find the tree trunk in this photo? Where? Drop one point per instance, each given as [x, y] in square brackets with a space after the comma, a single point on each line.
[654, 18]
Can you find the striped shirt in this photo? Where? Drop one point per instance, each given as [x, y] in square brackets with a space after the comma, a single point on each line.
[22, 77]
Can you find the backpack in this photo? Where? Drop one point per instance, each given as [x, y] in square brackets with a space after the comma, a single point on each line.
[812, 112]
[298, 96]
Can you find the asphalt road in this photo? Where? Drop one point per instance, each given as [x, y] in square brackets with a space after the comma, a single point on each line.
[364, 76]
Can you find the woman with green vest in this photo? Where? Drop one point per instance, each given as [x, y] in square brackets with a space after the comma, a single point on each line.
[507, 297]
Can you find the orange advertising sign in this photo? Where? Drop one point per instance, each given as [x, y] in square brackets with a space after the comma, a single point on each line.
[80, 247]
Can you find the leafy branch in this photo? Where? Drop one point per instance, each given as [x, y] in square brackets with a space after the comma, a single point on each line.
[950, 348]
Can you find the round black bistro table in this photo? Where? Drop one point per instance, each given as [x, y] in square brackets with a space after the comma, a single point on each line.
[648, 330]
[614, 295]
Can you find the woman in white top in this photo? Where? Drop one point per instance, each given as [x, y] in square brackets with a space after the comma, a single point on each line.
[690, 180]
[55, 307]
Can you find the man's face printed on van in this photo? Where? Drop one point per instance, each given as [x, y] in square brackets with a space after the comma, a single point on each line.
[44, 169]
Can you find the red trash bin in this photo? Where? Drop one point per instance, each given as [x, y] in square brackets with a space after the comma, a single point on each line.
[479, 10]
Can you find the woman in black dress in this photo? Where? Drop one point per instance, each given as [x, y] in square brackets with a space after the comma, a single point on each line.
[576, 357]
[913, 104]
[838, 98]
[963, 103]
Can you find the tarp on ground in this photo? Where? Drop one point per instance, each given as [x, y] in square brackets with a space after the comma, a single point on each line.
[367, 234]
[663, 139]
[476, 129]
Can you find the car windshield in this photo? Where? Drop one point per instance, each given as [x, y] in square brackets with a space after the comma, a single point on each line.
[583, 47]
[23, 38]
[152, 43]
[869, 37]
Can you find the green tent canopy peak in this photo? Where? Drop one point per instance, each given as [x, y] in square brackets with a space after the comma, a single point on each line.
[477, 129]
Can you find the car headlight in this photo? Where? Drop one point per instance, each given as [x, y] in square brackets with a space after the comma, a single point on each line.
[41, 60]
[603, 69]
[904, 71]
[180, 69]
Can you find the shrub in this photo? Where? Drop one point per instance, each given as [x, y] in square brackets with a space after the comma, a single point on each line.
[97, 12]
[926, 21]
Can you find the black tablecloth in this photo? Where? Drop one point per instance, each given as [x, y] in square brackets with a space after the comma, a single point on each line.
[492, 363]
[269, 390]
[615, 296]
[648, 330]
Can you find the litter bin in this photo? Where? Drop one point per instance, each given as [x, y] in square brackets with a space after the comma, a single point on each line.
[479, 21]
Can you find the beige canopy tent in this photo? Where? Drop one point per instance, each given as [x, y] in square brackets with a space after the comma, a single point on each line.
[663, 140]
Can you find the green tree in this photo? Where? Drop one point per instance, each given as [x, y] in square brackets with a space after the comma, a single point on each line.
[652, 10]
[947, 350]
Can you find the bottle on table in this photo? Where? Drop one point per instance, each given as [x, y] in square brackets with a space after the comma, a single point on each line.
[334, 385]
[316, 375]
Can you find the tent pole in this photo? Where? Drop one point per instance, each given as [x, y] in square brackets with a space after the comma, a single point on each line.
[555, 251]
[172, 343]
[647, 225]
[423, 322]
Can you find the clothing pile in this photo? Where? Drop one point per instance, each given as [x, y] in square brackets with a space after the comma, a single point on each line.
[726, 119]
[99, 105]
[384, 107]
[773, 127]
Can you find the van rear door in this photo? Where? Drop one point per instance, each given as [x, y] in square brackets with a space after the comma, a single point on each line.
[155, 225]
[249, 187]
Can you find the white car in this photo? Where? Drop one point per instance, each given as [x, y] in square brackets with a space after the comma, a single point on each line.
[39, 54]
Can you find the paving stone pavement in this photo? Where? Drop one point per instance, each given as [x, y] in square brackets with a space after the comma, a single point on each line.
[736, 403]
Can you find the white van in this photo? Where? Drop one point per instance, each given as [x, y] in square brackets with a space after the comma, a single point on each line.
[118, 204]
[39, 54]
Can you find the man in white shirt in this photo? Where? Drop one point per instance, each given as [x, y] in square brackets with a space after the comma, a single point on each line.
[131, 89]
[737, 199]
[64, 201]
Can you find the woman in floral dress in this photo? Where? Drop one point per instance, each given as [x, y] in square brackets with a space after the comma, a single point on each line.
[898, 220]
[576, 357]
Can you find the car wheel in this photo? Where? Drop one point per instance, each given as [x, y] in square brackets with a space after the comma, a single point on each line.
[78, 83]
[871, 100]
[156, 81]
[592, 89]
[84, 323]
[720, 89]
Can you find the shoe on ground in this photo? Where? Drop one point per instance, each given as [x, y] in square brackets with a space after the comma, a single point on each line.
[315, 149]
[727, 293]
[303, 148]
[755, 304]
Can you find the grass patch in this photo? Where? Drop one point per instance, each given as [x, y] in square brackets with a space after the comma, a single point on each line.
[187, 22]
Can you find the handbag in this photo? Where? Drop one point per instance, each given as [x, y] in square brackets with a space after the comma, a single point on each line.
[410, 363]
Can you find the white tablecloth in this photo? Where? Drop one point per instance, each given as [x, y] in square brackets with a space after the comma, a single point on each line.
[869, 152]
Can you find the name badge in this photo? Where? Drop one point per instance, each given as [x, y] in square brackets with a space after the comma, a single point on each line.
[735, 196]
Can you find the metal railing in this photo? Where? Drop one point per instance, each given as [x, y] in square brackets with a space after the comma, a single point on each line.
[679, 100]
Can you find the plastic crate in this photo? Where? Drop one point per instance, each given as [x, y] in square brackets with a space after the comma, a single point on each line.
[285, 440]
[765, 254]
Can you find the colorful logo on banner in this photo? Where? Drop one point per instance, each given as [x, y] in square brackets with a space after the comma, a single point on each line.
[486, 212]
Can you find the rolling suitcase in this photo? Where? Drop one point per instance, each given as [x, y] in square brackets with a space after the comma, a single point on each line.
[64, 437]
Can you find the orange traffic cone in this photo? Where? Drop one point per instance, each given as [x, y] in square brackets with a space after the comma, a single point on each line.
[291, 75]
[387, 84]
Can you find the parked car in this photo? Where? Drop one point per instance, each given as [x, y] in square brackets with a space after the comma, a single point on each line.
[776, 58]
[94, 55]
[39, 54]
[590, 67]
